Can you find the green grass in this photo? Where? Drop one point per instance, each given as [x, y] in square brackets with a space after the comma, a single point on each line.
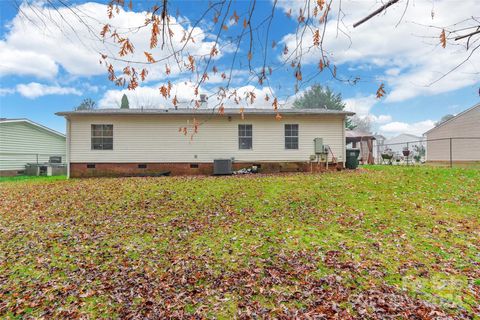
[222, 247]
[31, 178]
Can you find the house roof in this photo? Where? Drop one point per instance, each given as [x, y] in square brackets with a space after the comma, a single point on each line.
[32, 123]
[358, 134]
[454, 118]
[182, 111]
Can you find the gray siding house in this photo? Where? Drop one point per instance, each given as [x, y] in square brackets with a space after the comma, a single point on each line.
[23, 141]
[459, 136]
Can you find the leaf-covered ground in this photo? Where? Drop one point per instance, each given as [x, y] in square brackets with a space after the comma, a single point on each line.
[382, 242]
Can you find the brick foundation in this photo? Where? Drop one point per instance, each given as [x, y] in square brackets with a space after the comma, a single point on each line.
[80, 170]
[10, 173]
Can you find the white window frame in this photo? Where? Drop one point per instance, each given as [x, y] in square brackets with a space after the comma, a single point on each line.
[245, 136]
[289, 135]
[102, 136]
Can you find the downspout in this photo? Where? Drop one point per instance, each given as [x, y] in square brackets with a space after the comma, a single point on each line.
[68, 147]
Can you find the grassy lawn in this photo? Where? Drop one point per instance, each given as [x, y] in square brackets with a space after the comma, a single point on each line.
[381, 241]
[31, 178]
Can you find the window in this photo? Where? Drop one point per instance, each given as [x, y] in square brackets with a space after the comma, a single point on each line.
[142, 166]
[245, 136]
[102, 137]
[194, 165]
[291, 136]
[90, 165]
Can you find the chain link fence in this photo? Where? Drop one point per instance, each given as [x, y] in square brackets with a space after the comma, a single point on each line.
[12, 163]
[449, 152]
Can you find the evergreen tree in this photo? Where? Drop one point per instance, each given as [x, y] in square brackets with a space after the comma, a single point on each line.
[318, 97]
[125, 104]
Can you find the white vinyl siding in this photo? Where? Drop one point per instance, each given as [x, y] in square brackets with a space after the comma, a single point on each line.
[20, 142]
[154, 138]
[465, 125]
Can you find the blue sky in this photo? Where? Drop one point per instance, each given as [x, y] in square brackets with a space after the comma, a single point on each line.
[44, 69]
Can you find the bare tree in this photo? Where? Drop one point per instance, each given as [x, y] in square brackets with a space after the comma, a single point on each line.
[235, 26]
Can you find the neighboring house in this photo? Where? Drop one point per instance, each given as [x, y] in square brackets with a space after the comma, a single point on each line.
[23, 141]
[402, 141]
[136, 141]
[458, 136]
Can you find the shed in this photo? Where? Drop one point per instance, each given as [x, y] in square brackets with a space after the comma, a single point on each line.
[23, 141]
[363, 141]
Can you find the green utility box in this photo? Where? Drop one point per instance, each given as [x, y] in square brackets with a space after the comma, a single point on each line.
[352, 158]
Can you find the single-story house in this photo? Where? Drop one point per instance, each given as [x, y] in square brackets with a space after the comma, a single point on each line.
[364, 142]
[140, 141]
[23, 141]
[457, 139]
[398, 143]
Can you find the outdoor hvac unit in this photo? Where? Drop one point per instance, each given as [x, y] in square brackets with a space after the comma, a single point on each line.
[319, 146]
[222, 166]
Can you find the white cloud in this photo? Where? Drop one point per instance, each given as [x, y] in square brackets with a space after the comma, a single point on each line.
[150, 97]
[6, 91]
[22, 62]
[34, 90]
[417, 128]
[360, 105]
[39, 45]
[410, 52]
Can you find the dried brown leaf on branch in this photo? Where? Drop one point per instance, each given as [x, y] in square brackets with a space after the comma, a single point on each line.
[252, 97]
[191, 63]
[110, 11]
[443, 39]
[154, 34]
[221, 109]
[321, 3]
[289, 13]
[164, 91]
[316, 38]
[214, 51]
[175, 101]
[143, 74]
[245, 23]
[111, 72]
[235, 17]
[105, 30]
[381, 91]
[298, 73]
[149, 56]
[275, 104]
[127, 47]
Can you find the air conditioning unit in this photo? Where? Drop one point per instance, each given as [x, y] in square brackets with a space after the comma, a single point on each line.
[222, 166]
